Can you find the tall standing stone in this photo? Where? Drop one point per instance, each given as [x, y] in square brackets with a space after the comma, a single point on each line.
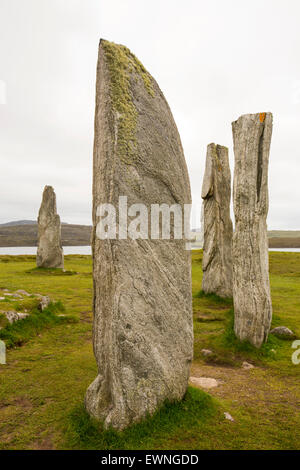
[216, 192]
[251, 287]
[143, 333]
[49, 252]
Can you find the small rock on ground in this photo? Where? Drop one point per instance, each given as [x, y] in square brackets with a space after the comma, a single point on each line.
[247, 365]
[44, 302]
[204, 382]
[283, 332]
[22, 292]
[14, 316]
[228, 416]
[206, 352]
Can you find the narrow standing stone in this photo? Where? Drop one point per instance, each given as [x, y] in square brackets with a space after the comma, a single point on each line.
[143, 333]
[216, 192]
[49, 252]
[251, 287]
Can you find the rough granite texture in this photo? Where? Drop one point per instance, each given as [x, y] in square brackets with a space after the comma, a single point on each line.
[143, 330]
[251, 287]
[49, 252]
[216, 193]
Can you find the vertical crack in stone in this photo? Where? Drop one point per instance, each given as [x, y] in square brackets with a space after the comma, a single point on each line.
[260, 161]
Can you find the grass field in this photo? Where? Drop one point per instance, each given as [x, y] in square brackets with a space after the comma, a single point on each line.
[42, 386]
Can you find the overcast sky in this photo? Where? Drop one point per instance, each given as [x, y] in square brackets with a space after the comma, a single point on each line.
[214, 60]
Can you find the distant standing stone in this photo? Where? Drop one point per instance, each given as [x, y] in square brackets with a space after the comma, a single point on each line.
[251, 287]
[143, 329]
[49, 252]
[216, 192]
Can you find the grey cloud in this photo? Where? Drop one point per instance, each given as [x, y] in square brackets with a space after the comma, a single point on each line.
[213, 60]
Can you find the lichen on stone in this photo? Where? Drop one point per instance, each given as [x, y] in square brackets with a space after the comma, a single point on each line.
[121, 64]
[262, 117]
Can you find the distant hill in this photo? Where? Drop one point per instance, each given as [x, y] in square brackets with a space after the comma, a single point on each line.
[19, 222]
[284, 234]
[26, 234]
[23, 222]
[277, 238]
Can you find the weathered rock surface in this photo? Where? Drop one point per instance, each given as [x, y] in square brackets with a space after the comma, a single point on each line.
[283, 332]
[251, 287]
[143, 333]
[14, 316]
[44, 302]
[49, 252]
[216, 191]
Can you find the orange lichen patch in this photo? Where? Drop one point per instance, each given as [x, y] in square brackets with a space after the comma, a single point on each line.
[262, 117]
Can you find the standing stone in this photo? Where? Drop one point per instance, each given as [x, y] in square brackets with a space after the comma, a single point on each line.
[251, 287]
[49, 252]
[143, 333]
[201, 234]
[216, 192]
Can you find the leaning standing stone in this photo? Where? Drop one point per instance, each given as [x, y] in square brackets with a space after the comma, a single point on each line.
[49, 252]
[251, 287]
[143, 334]
[216, 192]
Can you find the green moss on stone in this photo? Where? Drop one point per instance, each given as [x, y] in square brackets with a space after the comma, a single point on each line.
[121, 64]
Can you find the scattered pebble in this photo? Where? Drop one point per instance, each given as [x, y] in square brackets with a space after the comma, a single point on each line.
[247, 365]
[228, 416]
[206, 352]
[23, 292]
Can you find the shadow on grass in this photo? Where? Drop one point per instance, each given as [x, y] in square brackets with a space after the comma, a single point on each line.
[173, 419]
